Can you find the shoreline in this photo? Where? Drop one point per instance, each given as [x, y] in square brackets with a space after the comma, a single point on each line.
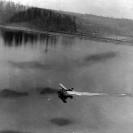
[29, 30]
[96, 38]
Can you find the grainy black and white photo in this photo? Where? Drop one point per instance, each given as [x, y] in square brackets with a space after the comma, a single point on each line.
[66, 66]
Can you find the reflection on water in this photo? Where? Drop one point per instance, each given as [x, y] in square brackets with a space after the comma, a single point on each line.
[61, 121]
[37, 63]
[19, 38]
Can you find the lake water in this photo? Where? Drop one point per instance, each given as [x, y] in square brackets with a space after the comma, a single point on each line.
[30, 62]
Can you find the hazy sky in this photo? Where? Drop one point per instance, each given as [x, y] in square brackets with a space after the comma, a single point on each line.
[115, 8]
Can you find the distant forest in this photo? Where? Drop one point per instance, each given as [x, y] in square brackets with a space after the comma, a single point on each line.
[8, 9]
[63, 22]
[44, 19]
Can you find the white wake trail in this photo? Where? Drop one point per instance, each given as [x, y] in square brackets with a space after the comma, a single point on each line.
[96, 94]
[85, 93]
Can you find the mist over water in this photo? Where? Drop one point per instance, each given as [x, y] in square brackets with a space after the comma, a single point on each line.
[36, 64]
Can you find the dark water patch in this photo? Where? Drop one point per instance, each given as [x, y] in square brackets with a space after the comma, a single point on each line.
[30, 65]
[11, 131]
[47, 90]
[7, 93]
[61, 121]
[100, 57]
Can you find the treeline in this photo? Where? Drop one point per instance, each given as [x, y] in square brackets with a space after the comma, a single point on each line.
[44, 19]
[11, 6]
[102, 26]
[8, 9]
[58, 21]
[55, 21]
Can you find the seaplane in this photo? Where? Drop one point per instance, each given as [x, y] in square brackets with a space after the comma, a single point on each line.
[64, 93]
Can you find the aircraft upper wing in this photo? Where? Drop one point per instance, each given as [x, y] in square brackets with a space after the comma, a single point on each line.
[62, 86]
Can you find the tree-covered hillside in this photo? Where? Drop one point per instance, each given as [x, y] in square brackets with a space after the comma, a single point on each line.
[60, 21]
[104, 25]
[44, 19]
[8, 9]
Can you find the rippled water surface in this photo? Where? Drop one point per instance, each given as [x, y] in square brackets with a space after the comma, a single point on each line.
[30, 62]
